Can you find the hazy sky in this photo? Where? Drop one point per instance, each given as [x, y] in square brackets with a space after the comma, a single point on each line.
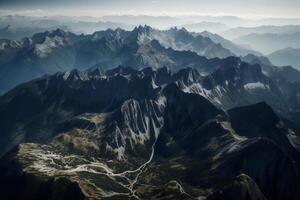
[243, 8]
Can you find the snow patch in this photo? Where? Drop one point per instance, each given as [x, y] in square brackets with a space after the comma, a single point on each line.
[45, 48]
[255, 86]
[66, 75]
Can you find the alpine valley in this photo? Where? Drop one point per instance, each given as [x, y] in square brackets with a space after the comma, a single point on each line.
[146, 114]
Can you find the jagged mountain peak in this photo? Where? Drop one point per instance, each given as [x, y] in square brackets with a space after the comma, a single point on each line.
[181, 33]
[96, 71]
[143, 29]
[132, 128]
[174, 28]
[51, 34]
[142, 47]
[59, 32]
[142, 34]
[184, 29]
[188, 76]
[113, 34]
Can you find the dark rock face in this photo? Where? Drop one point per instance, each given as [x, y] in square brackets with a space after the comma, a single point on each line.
[51, 100]
[242, 188]
[244, 119]
[140, 134]
[236, 83]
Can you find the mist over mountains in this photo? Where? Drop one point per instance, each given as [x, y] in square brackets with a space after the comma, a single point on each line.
[49, 52]
[287, 56]
[268, 43]
[149, 107]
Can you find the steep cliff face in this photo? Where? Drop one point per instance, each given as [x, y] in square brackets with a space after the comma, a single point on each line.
[236, 84]
[53, 99]
[128, 134]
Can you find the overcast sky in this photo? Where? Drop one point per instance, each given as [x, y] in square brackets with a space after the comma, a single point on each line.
[242, 8]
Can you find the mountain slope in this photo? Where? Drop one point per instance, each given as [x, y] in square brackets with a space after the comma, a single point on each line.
[145, 139]
[270, 42]
[50, 52]
[284, 57]
[234, 48]
[181, 39]
[233, 84]
[235, 33]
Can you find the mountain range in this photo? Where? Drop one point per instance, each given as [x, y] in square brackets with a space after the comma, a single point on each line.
[238, 32]
[49, 52]
[146, 114]
[288, 56]
[145, 133]
[19, 27]
[270, 42]
[238, 50]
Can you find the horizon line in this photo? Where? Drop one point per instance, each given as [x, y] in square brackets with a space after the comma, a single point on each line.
[47, 13]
